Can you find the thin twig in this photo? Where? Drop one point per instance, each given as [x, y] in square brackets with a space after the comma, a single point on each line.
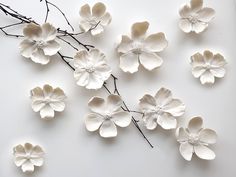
[67, 43]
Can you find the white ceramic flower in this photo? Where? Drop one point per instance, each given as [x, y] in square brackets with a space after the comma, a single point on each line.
[141, 49]
[195, 17]
[94, 21]
[47, 100]
[106, 114]
[196, 139]
[27, 156]
[208, 66]
[40, 43]
[91, 69]
[161, 109]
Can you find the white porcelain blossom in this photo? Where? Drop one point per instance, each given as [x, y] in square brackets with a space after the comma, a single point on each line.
[27, 156]
[47, 101]
[161, 109]
[196, 139]
[40, 43]
[195, 17]
[208, 66]
[94, 21]
[140, 49]
[91, 69]
[106, 114]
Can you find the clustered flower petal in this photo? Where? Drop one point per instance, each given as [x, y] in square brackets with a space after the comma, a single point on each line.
[40, 43]
[27, 156]
[140, 49]
[47, 101]
[208, 66]
[94, 21]
[195, 17]
[196, 139]
[161, 109]
[106, 115]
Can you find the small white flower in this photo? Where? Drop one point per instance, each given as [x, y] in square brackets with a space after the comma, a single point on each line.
[27, 156]
[106, 114]
[196, 139]
[161, 109]
[94, 21]
[40, 43]
[208, 66]
[195, 17]
[47, 100]
[141, 49]
[91, 69]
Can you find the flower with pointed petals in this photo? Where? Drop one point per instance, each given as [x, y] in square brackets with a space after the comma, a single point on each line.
[195, 17]
[94, 21]
[47, 101]
[106, 114]
[140, 49]
[91, 69]
[208, 66]
[161, 110]
[40, 43]
[196, 139]
[27, 156]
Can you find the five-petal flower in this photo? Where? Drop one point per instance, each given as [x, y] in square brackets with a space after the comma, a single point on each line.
[161, 109]
[27, 156]
[106, 114]
[40, 43]
[47, 100]
[208, 66]
[196, 139]
[94, 21]
[141, 49]
[91, 69]
[195, 18]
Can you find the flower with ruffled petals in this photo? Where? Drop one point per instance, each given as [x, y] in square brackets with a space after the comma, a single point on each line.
[106, 114]
[196, 139]
[208, 66]
[195, 17]
[40, 43]
[94, 21]
[140, 49]
[27, 156]
[47, 101]
[91, 69]
[161, 109]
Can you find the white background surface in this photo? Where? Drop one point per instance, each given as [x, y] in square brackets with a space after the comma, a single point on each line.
[71, 151]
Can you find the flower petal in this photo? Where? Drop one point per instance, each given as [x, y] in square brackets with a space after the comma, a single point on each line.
[206, 14]
[150, 61]
[28, 148]
[108, 129]
[147, 102]
[218, 61]
[37, 93]
[125, 45]
[97, 57]
[208, 136]
[85, 11]
[156, 42]
[185, 11]
[129, 62]
[51, 48]
[195, 125]
[97, 105]
[218, 72]
[166, 121]
[105, 19]
[95, 81]
[81, 77]
[98, 9]
[121, 118]
[49, 32]
[185, 25]
[85, 25]
[27, 47]
[181, 134]
[207, 78]
[27, 167]
[37, 151]
[38, 56]
[37, 105]
[58, 94]
[196, 5]
[58, 106]
[47, 112]
[186, 150]
[47, 90]
[139, 29]
[104, 71]
[208, 56]
[197, 60]
[175, 107]
[98, 30]
[163, 97]
[93, 121]
[81, 59]
[113, 103]
[199, 27]
[32, 31]
[19, 161]
[204, 152]
[37, 161]
[198, 71]
[150, 121]
[19, 150]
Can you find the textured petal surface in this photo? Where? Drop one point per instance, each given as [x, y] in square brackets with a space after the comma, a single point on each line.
[93, 121]
[204, 152]
[81, 77]
[85, 11]
[97, 104]
[150, 61]
[185, 11]
[47, 112]
[27, 48]
[181, 134]
[198, 71]
[129, 62]
[150, 121]
[51, 48]
[166, 121]
[196, 5]
[218, 72]
[106, 19]
[81, 58]
[207, 78]
[199, 27]
[147, 102]
[139, 29]
[32, 31]
[125, 45]
[49, 32]
[85, 25]
[37, 162]
[195, 124]
[58, 106]
[206, 14]
[175, 107]
[197, 60]
[114, 103]
[108, 129]
[19, 150]
[121, 118]
[185, 25]
[95, 81]
[58, 94]
[19, 161]
[186, 150]
[156, 42]
[163, 97]
[98, 30]
[208, 136]
[27, 167]
[218, 61]
[208, 56]
[98, 9]
[38, 56]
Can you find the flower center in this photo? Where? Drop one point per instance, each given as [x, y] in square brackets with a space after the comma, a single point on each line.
[90, 68]
[137, 47]
[28, 156]
[207, 66]
[193, 139]
[40, 43]
[193, 19]
[47, 100]
[159, 110]
[107, 117]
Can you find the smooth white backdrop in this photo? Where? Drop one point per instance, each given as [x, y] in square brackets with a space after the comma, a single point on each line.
[71, 150]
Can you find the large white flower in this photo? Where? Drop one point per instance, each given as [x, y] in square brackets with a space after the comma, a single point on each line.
[141, 49]
[106, 114]
[94, 21]
[208, 66]
[91, 69]
[195, 18]
[196, 139]
[27, 156]
[40, 43]
[47, 100]
[161, 109]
